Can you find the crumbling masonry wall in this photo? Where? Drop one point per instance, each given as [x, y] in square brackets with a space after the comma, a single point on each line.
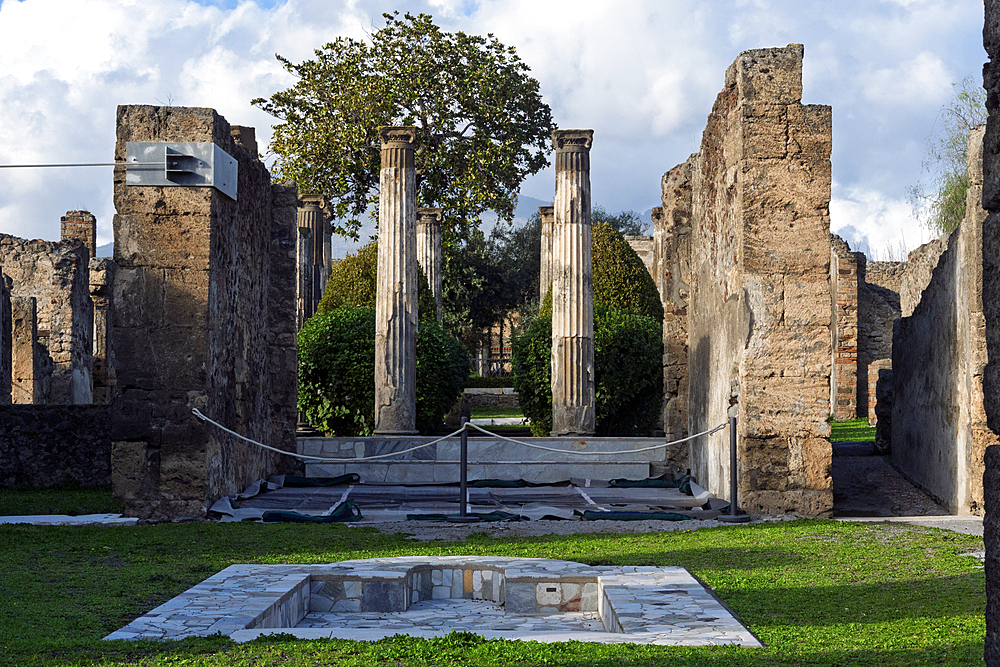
[759, 314]
[204, 318]
[844, 330]
[878, 309]
[991, 315]
[939, 431]
[55, 274]
[672, 273]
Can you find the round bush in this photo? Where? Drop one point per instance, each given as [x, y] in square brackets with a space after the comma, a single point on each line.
[628, 372]
[336, 354]
[352, 282]
[620, 277]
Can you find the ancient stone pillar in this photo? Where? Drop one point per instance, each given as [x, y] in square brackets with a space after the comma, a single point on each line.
[5, 339]
[396, 291]
[547, 214]
[312, 259]
[429, 253]
[80, 226]
[25, 352]
[304, 265]
[572, 288]
[102, 276]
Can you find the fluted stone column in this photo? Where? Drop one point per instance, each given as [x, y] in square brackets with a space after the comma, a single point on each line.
[303, 269]
[429, 253]
[547, 214]
[396, 290]
[311, 262]
[572, 288]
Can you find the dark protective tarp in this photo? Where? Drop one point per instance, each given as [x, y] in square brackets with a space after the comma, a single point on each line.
[683, 484]
[345, 511]
[591, 515]
[301, 482]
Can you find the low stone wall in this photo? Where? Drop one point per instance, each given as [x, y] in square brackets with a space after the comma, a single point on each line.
[48, 445]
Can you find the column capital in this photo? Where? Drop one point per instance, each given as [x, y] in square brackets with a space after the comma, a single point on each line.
[397, 136]
[312, 201]
[546, 211]
[572, 140]
[429, 215]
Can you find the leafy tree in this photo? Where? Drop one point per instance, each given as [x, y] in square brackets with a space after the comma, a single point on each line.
[471, 289]
[482, 124]
[946, 159]
[626, 223]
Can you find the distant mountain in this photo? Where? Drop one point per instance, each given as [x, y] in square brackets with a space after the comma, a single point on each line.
[106, 250]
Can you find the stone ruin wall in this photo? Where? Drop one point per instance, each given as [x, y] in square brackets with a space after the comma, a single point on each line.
[939, 431]
[55, 274]
[844, 398]
[759, 312]
[991, 313]
[917, 272]
[878, 308]
[204, 318]
[643, 247]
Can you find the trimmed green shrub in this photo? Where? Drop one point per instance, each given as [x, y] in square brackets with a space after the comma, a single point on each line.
[352, 282]
[620, 277]
[628, 371]
[336, 354]
[442, 367]
[531, 358]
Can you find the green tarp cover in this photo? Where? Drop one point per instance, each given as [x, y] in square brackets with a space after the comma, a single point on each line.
[345, 511]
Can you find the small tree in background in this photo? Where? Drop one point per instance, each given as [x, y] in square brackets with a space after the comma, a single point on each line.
[620, 278]
[942, 208]
[626, 223]
[482, 126]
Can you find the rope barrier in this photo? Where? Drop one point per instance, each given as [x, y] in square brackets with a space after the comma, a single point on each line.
[199, 415]
[621, 451]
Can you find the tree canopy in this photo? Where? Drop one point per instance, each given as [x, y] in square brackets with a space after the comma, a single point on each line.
[482, 126]
[942, 207]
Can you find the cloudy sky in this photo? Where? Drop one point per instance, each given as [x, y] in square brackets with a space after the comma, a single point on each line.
[642, 73]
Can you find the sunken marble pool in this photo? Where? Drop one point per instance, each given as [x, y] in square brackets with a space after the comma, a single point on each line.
[513, 598]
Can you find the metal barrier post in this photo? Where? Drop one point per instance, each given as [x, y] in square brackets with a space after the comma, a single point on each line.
[463, 478]
[733, 516]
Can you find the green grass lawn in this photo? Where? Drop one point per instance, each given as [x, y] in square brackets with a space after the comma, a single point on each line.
[851, 430]
[487, 412]
[814, 592]
[72, 500]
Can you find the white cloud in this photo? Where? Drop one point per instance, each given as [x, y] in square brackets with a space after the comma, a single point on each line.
[643, 74]
[881, 227]
[923, 80]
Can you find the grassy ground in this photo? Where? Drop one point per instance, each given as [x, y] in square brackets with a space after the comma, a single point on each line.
[853, 429]
[815, 592]
[72, 500]
[487, 412]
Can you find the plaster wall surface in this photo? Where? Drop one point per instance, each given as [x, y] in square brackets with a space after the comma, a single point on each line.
[939, 431]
